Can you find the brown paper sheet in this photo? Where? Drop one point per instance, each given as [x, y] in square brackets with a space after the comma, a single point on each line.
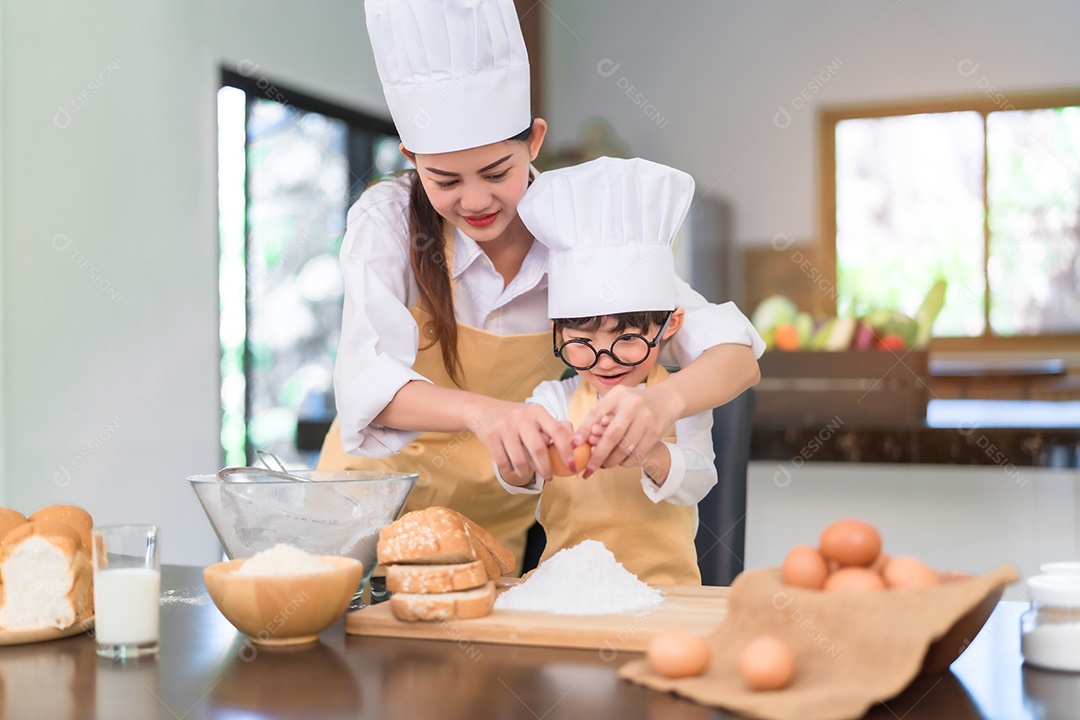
[852, 650]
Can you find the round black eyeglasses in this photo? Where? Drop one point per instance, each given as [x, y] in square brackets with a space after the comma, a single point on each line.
[629, 349]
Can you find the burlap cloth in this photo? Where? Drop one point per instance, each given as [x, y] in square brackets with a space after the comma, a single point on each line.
[852, 650]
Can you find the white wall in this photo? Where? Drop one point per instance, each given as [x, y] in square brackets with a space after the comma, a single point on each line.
[108, 299]
[713, 75]
[109, 276]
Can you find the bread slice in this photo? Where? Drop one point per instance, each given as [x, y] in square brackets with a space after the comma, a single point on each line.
[47, 577]
[502, 555]
[434, 535]
[71, 515]
[491, 566]
[463, 605]
[435, 578]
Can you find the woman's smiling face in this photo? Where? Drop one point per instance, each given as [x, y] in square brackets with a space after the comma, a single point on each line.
[478, 189]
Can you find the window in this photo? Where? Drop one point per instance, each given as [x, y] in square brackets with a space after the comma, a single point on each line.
[289, 167]
[983, 192]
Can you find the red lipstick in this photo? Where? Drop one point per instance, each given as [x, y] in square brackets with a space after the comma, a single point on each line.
[480, 220]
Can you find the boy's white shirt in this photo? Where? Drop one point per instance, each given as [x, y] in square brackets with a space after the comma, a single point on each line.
[692, 473]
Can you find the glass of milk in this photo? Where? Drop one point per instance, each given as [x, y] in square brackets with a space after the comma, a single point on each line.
[127, 590]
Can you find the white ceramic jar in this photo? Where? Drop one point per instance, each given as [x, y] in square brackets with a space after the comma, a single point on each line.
[1050, 629]
[1071, 567]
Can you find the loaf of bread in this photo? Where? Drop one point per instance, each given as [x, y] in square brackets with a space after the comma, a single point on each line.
[71, 515]
[441, 565]
[462, 605]
[434, 535]
[9, 520]
[47, 577]
[441, 536]
[435, 578]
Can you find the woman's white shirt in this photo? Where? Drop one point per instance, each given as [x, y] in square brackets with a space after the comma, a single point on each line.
[380, 338]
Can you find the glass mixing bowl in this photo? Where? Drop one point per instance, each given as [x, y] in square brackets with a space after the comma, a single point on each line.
[322, 512]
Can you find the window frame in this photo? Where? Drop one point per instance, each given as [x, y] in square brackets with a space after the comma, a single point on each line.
[257, 85]
[992, 100]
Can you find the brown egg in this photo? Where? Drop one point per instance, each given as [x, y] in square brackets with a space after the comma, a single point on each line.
[678, 654]
[766, 663]
[879, 563]
[582, 453]
[854, 579]
[804, 567]
[851, 542]
[908, 572]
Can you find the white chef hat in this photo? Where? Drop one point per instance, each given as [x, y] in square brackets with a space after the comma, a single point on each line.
[608, 225]
[455, 72]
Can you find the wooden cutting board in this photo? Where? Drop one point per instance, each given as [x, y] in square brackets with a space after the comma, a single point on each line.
[697, 609]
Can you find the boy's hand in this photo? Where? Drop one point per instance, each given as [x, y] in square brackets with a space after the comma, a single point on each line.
[624, 425]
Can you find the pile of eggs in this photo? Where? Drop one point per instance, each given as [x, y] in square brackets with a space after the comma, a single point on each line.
[849, 559]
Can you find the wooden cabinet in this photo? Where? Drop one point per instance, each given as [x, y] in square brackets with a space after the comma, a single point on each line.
[855, 388]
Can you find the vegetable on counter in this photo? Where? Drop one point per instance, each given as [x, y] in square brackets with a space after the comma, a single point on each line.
[784, 327]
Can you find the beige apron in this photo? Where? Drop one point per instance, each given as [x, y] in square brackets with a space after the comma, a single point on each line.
[655, 541]
[456, 469]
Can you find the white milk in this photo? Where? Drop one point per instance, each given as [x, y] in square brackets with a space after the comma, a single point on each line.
[127, 606]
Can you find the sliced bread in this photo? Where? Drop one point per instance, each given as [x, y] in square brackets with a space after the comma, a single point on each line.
[439, 535]
[462, 605]
[435, 578]
[434, 535]
[502, 555]
[491, 566]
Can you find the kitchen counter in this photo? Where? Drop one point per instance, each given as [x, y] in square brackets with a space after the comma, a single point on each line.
[206, 670]
[1020, 433]
[882, 407]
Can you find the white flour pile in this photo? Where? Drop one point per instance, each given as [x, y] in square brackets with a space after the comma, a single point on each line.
[283, 560]
[583, 580]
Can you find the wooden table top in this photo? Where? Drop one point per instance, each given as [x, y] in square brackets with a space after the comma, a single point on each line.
[206, 670]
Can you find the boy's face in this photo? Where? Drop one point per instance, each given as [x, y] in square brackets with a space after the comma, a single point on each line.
[607, 373]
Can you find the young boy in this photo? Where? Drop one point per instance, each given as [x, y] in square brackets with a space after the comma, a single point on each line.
[609, 225]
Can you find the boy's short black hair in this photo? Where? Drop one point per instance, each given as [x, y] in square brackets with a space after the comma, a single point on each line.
[637, 320]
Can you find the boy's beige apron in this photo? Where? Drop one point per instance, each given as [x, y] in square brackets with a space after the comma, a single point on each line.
[655, 541]
[456, 469]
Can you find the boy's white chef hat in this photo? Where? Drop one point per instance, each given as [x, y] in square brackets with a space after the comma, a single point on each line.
[455, 72]
[608, 225]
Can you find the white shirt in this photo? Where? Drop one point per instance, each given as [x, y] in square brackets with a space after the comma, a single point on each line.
[692, 473]
[379, 337]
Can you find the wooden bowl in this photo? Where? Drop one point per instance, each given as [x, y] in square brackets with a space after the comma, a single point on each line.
[283, 609]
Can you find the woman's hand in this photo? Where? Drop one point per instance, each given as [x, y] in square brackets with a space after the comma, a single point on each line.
[518, 435]
[625, 424]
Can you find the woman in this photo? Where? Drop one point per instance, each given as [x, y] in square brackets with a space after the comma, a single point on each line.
[445, 327]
